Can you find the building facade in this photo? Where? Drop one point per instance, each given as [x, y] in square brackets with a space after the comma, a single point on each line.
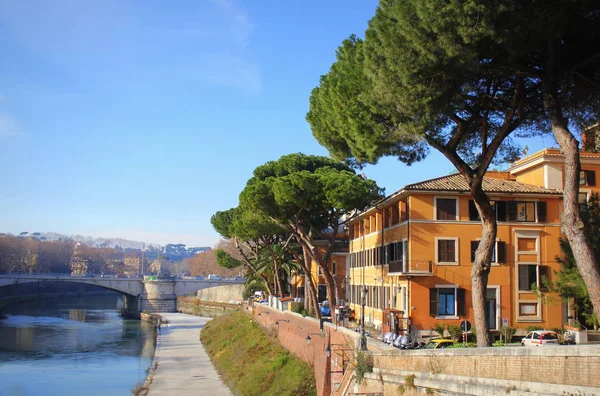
[413, 251]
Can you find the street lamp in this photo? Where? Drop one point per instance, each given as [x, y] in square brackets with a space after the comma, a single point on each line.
[363, 300]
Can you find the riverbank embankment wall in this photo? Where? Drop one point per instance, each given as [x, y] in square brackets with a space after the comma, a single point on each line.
[545, 370]
[222, 294]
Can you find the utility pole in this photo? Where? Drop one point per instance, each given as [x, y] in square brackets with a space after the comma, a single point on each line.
[363, 337]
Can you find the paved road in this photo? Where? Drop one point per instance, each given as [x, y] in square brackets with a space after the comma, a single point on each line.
[184, 367]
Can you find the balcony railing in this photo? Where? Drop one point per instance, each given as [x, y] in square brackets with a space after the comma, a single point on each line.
[418, 268]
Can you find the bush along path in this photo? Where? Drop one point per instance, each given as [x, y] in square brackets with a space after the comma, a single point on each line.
[253, 363]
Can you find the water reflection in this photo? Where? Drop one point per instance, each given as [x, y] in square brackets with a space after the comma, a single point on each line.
[84, 340]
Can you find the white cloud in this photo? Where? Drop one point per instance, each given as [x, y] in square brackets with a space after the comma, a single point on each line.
[8, 126]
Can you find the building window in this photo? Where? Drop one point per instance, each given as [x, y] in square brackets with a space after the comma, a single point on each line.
[532, 275]
[498, 255]
[446, 250]
[447, 301]
[520, 211]
[528, 309]
[587, 178]
[446, 208]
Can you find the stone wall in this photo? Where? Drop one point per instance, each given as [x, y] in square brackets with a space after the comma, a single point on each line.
[577, 365]
[223, 294]
[497, 370]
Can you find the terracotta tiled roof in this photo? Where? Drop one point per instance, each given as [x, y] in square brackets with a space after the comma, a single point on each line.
[458, 183]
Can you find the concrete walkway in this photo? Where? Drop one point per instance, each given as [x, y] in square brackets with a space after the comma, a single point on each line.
[184, 367]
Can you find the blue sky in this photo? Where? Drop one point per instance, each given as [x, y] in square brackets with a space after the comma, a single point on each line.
[140, 119]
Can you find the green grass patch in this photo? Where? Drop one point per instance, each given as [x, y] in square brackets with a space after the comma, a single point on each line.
[251, 362]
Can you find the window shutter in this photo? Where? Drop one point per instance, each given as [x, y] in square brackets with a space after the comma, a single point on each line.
[501, 210]
[541, 211]
[433, 302]
[512, 210]
[543, 270]
[460, 302]
[473, 214]
[399, 251]
[591, 178]
[474, 246]
[501, 254]
[524, 284]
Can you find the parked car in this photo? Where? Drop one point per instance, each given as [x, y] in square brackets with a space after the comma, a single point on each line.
[540, 338]
[199, 277]
[438, 343]
[89, 276]
[213, 276]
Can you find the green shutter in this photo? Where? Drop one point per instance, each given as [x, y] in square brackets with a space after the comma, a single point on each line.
[433, 302]
[474, 245]
[524, 284]
[473, 213]
[591, 178]
[501, 210]
[512, 210]
[501, 254]
[541, 211]
[543, 271]
[460, 302]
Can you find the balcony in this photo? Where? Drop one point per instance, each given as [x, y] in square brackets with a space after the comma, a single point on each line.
[412, 268]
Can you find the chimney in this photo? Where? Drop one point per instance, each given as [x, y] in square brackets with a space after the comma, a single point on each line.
[590, 138]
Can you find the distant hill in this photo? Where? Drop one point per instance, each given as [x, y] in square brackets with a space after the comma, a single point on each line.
[113, 242]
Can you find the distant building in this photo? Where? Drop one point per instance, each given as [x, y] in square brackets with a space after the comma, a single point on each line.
[79, 265]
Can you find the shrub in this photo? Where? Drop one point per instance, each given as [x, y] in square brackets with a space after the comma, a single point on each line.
[297, 307]
[498, 343]
[439, 328]
[508, 332]
[364, 364]
[473, 335]
[455, 332]
[409, 381]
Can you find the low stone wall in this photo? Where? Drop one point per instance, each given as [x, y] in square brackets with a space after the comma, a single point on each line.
[565, 365]
[224, 294]
[496, 370]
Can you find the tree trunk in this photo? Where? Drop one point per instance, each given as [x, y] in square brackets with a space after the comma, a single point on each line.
[278, 289]
[572, 225]
[330, 281]
[248, 264]
[310, 290]
[481, 267]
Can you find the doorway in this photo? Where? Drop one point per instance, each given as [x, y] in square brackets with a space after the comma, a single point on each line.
[491, 308]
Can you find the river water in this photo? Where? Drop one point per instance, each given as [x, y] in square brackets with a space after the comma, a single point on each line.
[72, 346]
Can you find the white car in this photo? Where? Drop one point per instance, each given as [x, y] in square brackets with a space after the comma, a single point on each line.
[540, 338]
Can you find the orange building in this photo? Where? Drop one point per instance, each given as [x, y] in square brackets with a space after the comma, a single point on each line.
[413, 251]
[336, 265]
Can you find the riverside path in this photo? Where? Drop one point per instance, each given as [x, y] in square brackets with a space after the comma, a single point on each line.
[183, 366]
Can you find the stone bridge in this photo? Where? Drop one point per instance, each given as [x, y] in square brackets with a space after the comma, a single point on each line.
[150, 295]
